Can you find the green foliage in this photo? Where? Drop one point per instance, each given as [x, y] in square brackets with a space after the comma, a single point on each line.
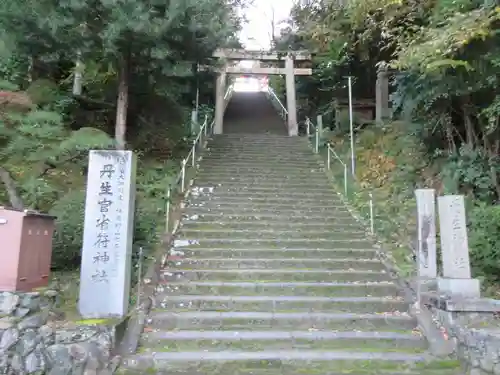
[484, 240]
[468, 171]
[67, 243]
[43, 92]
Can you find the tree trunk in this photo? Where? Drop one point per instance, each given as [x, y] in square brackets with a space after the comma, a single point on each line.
[470, 133]
[122, 103]
[492, 152]
[14, 198]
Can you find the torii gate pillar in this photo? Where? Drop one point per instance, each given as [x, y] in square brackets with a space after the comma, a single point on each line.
[220, 90]
[291, 104]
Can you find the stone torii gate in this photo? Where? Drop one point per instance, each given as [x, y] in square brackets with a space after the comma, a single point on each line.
[229, 56]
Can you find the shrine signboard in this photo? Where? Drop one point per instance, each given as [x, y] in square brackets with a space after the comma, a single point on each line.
[108, 234]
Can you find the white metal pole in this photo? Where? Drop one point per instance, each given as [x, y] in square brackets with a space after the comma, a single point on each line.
[139, 279]
[372, 223]
[345, 180]
[183, 174]
[167, 215]
[353, 161]
[328, 157]
[316, 146]
[197, 87]
[193, 164]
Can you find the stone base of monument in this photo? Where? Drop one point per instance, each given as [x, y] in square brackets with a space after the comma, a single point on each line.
[469, 288]
[428, 285]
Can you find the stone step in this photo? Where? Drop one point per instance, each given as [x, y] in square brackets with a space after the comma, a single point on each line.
[403, 364]
[212, 197]
[297, 369]
[322, 186]
[287, 263]
[264, 226]
[289, 158]
[262, 146]
[246, 205]
[258, 143]
[286, 243]
[162, 359]
[260, 176]
[270, 253]
[298, 196]
[315, 169]
[329, 288]
[263, 150]
[270, 234]
[270, 190]
[256, 138]
[299, 154]
[259, 171]
[282, 303]
[251, 341]
[274, 321]
[276, 182]
[270, 214]
[275, 275]
[212, 217]
[233, 161]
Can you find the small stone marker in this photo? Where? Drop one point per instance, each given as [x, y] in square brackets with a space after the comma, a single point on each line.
[455, 248]
[108, 234]
[426, 224]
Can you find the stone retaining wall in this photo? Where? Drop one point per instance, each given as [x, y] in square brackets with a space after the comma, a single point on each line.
[474, 328]
[31, 344]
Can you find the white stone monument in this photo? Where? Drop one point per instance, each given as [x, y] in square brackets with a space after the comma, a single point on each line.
[108, 234]
[426, 236]
[456, 279]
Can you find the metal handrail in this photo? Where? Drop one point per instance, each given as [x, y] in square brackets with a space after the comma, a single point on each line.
[309, 126]
[275, 99]
[330, 152]
[205, 129]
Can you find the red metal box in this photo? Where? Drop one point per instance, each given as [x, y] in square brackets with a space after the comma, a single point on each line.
[25, 249]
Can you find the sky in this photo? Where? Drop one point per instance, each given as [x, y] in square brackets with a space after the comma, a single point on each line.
[256, 34]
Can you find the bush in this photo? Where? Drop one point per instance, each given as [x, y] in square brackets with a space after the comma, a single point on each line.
[68, 236]
[484, 240]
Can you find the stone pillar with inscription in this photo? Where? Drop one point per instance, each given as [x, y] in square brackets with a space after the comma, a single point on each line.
[456, 280]
[426, 236]
[108, 234]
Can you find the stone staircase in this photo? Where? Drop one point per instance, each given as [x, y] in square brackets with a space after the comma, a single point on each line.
[270, 274]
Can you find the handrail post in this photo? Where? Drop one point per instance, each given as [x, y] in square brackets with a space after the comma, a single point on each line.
[328, 157]
[345, 180]
[183, 174]
[167, 215]
[193, 163]
[316, 146]
[372, 228]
